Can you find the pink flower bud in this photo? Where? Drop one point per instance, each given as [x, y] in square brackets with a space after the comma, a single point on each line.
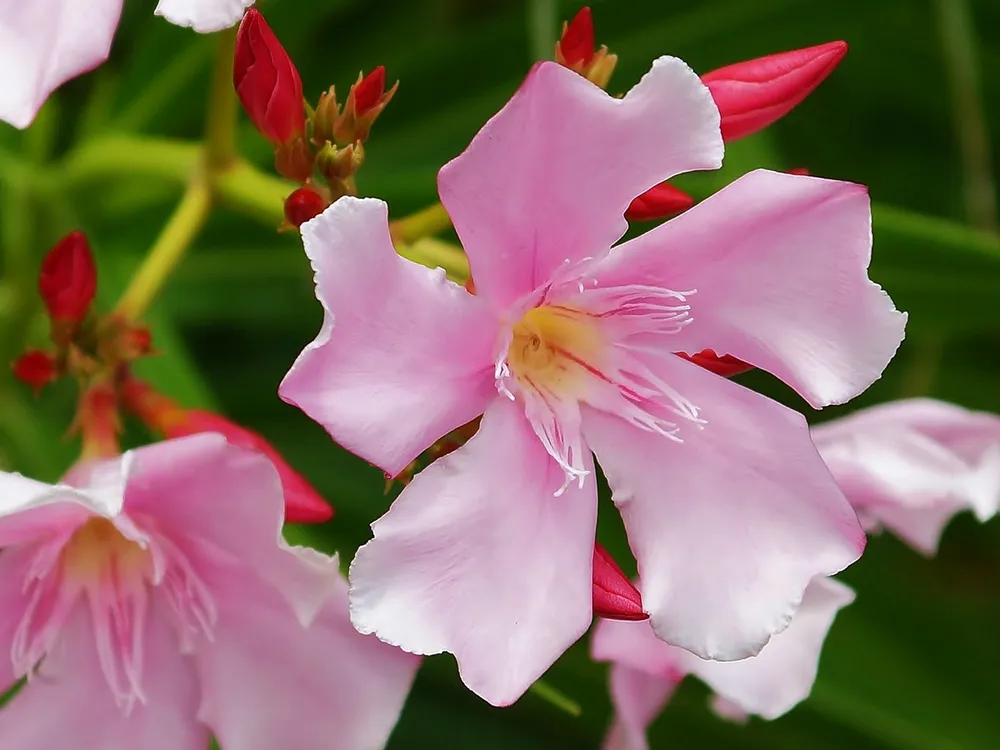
[36, 369]
[659, 202]
[615, 598]
[266, 81]
[727, 366]
[68, 279]
[753, 94]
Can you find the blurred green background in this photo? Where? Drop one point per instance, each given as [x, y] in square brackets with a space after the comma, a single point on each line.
[914, 664]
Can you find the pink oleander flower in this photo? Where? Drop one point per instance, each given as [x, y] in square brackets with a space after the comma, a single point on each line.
[645, 670]
[910, 465]
[151, 602]
[568, 347]
[44, 43]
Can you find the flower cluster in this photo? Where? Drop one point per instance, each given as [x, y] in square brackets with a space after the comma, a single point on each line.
[149, 598]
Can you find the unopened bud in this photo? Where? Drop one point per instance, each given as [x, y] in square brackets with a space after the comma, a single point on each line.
[365, 102]
[97, 420]
[340, 163]
[576, 50]
[753, 94]
[325, 117]
[726, 365]
[294, 160]
[267, 81]
[302, 205]
[36, 369]
[659, 202]
[615, 597]
[68, 280]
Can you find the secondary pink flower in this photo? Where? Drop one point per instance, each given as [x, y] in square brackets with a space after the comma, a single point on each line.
[911, 465]
[645, 670]
[150, 602]
[567, 347]
[44, 43]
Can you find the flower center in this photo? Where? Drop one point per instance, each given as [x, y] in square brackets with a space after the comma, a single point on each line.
[549, 347]
[593, 346]
[111, 567]
[98, 549]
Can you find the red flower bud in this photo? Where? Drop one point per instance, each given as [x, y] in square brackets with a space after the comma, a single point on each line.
[753, 94]
[302, 503]
[365, 102]
[36, 369]
[266, 81]
[302, 205]
[727, 366]
[68, 279]
[369, 91]
[615, 598]
[576, 46]
[659, 202]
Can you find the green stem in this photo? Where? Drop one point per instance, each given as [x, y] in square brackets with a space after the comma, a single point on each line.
[220, 124]
[550, 695]
[438, 254]
[543, 17]
[423, 223]
[184, 224]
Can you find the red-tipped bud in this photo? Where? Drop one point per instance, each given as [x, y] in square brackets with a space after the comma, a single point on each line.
[68, 279]
[753, 94]
[727, 366]
[577, 51]
[36, 369]
[801, 171]
[615, 598]
[365, 102]
[368, 93]
[266, 81]
[576, 45]
[302, 205]
[659, 202]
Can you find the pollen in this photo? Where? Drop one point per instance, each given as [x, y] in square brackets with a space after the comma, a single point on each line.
[550, 347]
[98, 546]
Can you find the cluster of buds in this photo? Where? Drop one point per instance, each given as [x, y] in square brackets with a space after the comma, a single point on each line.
[88, 347]
[322, 148]
[98, 351]
[750, 95]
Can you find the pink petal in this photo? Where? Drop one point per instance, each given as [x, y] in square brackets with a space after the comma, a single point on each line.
[477, 557]
[14, 567]
[68, 703]
[911, 465]
[782, 675]
[547, 180]
[730, 525]
[44, 43]
[204, 16]
[268, 683]
[31, 510]
[230, 498]
[779, 264]
[638, 698]
[404, 355]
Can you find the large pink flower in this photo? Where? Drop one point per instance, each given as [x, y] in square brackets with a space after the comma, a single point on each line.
[44, 43]
[645, 670]
[153, 602]
[911, 465]
[568, 348]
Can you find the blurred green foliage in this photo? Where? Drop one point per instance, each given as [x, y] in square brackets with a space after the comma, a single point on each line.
[914, 664]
